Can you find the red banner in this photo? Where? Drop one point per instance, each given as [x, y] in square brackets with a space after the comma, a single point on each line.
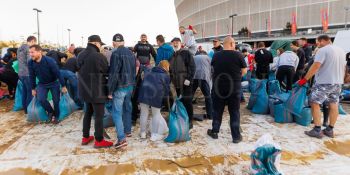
[325, 19]
[294, 23]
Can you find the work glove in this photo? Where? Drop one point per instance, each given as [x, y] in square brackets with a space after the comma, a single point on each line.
[302, 82]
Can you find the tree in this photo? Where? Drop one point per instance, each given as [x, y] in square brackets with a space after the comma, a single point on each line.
[244, 32]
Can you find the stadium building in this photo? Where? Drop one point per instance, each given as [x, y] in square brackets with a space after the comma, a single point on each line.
[264, 19]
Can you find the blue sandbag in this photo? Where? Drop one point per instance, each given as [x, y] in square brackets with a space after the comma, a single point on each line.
[272, 76]
[247, 76]
[178, 124]
[253, 85]
[18, 97]
[107, 119]
[296, 101]
[36, 113]
[261, 105]
[305, 118]
[282, 115]
[341, 110]
[274, 87]
[67, 106]
[272, 103]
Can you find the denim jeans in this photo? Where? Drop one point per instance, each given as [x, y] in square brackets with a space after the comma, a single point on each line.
[204, 86]
[71, 77]
[121, 112]
[42, 91]
[26, 93]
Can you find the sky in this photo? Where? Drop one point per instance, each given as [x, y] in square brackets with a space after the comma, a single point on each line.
[131, 18]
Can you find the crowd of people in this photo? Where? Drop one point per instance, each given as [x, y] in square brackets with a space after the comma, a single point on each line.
[134, 84]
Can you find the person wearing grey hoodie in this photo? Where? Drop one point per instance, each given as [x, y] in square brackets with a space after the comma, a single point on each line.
[23, 58]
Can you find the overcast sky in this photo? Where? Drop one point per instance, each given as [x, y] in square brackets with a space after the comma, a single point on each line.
[86, 17]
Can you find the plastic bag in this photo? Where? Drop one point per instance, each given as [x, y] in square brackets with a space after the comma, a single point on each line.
[281, 114]
[274, 87]
[261, 105]
[36, 113]
[341, 110]
[18, 97]
[162, 126]
[178, 124]
[107, 119]
[272, 76]
[67, 106]
[296, 101]
[266, 157]
[253, 85]
[305, 117]
[15, 66]
[272, 103]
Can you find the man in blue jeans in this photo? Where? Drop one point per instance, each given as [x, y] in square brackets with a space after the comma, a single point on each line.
[121, 83]
[23, 58]
[46, 70]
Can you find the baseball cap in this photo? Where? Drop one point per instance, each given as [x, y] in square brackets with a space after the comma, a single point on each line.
[216, 40]
[118, 37]
[95, 38]
[176, 39]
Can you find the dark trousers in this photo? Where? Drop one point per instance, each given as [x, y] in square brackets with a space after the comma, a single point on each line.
[286, 72]
[43, 90]
[262, 75]
[298, 75]
[11, 79]
[205, 88]
[230, 97]
[186, 93]
[98, 109]
[26, 93]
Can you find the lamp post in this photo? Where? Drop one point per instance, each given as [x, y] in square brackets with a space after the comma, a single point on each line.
[346, 16]
[37, 21]
[232, 16]
[69, 37]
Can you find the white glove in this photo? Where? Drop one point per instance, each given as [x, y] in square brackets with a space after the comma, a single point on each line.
[187, 83]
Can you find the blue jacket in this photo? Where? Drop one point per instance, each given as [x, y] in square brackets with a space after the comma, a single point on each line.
[155, 87]
[46, 71]
[164, 52]
[122, 71]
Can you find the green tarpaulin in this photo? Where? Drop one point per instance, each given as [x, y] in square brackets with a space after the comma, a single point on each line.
[284, 44]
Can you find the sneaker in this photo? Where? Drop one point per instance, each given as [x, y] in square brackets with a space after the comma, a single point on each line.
[103, 144]
[236, 141]
[156, 137]
[212, 134]
[54, 120]
[328, 133]
[121, 144]
[86, 141]
[143, 135]
[314, 133]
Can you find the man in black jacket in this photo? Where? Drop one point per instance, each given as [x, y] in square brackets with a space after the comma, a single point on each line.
[58, 57]
[306, 47]
[182, 70]
[263, 58]
[217, 46]
[92, 85]
[144, 50]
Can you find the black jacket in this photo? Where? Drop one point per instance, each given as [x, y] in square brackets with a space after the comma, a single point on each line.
[182, 67]
[308, 52]
[218, 49]
[144, 52]
[57, 56]
[302, 59]
[93, 70]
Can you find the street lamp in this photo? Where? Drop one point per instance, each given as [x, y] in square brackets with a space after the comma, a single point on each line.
[69, 37]
[346, 16]
[231, 16]
[37, 21]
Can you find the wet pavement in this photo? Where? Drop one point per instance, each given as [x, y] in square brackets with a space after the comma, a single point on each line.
[27, 149]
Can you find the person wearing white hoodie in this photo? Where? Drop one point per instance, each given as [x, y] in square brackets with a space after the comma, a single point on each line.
[286, 67]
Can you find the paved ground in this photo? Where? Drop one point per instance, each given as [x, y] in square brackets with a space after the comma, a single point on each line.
[46, 149]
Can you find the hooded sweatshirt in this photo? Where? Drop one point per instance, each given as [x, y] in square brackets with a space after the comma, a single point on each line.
[164, 52]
